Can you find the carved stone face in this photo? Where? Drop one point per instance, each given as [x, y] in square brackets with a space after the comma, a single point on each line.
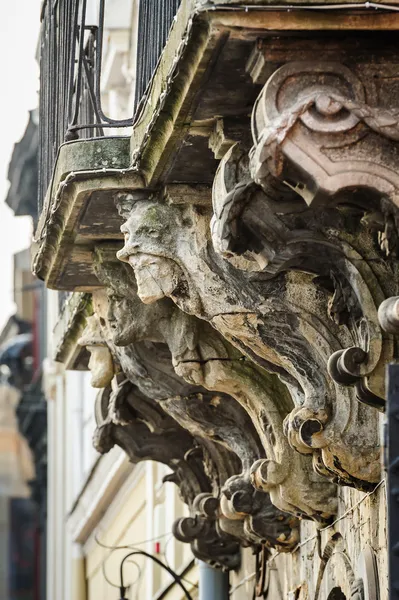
[132, 321]
[122, 318]
[100, 365]
[148, 249]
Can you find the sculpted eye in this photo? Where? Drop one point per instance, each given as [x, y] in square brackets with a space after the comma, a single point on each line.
[153, 232]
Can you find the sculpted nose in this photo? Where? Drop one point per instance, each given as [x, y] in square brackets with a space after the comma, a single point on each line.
[128, 249]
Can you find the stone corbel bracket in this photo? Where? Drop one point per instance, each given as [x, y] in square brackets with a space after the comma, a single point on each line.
[283, 325]
[318, 194]
[244, 512]
[127, 418]
[197, 350]
[212, 418]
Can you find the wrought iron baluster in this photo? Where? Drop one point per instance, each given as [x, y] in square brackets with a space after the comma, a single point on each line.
[155, 20]
[70, 79]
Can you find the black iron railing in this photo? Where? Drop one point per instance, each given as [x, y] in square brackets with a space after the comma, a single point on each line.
[70, 72]
[155, 20]
[70, 81]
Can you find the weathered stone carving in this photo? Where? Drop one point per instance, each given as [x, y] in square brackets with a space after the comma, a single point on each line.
[315, 133]
[137, 424]
[286, 476]
[202, 532]
[311, 125]
[128, 417]
[261, 521]
[220, 418]
[278, 321]
[331, 103]
[101, 364]
[180, 330]
[211, 363]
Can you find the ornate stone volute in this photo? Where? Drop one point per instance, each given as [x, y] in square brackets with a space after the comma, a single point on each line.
[222, 420]
[280, 321]
[205, 360]
[211, 418]
[208, 542]
[331, 137]
[330, 134]
[127, 418]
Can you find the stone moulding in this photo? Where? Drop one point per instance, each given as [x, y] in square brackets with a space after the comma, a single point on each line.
[86, 171]
[69, 328]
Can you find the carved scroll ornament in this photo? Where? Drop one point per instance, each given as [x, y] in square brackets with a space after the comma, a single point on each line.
[317, 130]
[318, 194]
[138, 425]
[320, 122]
[214, 434]
[281, 322]
[211, 363]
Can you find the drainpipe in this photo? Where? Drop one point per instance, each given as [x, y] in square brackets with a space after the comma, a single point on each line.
[213, 583]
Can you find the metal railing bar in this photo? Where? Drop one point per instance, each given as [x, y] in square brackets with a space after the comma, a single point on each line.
[73, 54]
[79, 71]
[100, 33]
[71, 68]
[92, 95]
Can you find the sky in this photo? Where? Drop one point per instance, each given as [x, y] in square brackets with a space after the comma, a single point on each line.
[19, 32]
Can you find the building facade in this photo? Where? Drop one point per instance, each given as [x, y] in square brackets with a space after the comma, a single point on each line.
[218, 200]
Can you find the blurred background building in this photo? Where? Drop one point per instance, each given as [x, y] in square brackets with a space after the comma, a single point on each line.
[23, 409]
